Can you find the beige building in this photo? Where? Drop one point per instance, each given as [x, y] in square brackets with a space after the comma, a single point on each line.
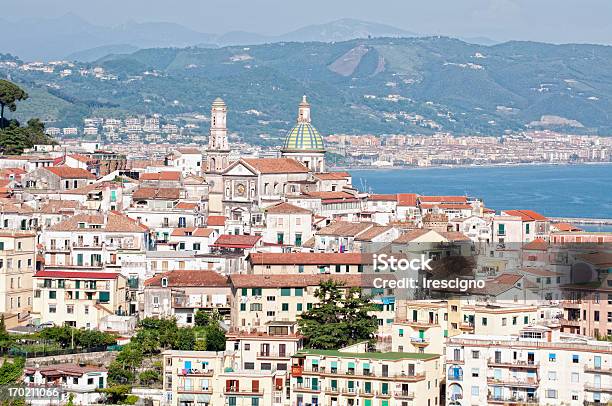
[78, 298]
[260, 263]
[206, 378]
[538, 366]
[354, 377]
[17, 264]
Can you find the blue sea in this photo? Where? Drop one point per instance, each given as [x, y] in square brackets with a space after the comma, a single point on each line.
[552, 190]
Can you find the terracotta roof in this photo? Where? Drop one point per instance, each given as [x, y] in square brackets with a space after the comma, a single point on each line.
[525, 215]
[186, 278]
[411, 235]
[189, 151]
[332, 175]
[309, 258]
[144, 163]
[11, 206]
[601, 259]
[407, 199]
[59, 206]
[373, 232]
[76, 275]
[443, 199]
[330, 195]
[447, 206]
[540, 272]
[390, 198]
[236, 241]
[291, 281]
[163, 176]
[64, 369]
[81, 158]
[66, 172]
[454, 236]
[276, 165]
[192, 232]
[507, 279]
[149, 193]
[215, 221]
[536, 245]
[286, 208]
[186, 205]
[566, 227]
[345, 228]
[112, 222]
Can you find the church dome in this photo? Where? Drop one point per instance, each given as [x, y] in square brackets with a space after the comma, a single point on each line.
[303, 137]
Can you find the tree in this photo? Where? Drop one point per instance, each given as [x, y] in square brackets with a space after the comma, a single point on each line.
[10, 93]
[215, 338]
[185, 340]
[4, 335]
[149, 377]
[116, 394]
[10, 372]
[201, 318]
[118, 374]
[338, 320]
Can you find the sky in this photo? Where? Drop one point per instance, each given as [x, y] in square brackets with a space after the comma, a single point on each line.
[557, 21]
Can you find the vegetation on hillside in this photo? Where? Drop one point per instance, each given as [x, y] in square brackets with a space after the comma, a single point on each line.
[338, 319]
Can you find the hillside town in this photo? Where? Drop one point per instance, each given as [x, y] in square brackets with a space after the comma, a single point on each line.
[114, 236]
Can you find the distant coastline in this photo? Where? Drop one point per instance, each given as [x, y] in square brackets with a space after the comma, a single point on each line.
[457, 166]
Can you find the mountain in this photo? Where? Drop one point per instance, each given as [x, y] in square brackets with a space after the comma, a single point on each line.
[93, 54]
[343, 30]
[363, 86]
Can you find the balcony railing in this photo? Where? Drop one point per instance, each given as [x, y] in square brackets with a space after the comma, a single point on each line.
[513, 363]
[193, 389]
[194, 372]
[270, 354]
[527, 400]
[403, 394]
[303, 388]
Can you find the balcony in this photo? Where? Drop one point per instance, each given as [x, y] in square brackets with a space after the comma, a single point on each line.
[349, 391]
[515, 382]
[331, 390]
[513, 364]
[243, 392]
[384, 395]
[194, 372]
[454, 377]
[402, 394]
[194, 390]
[589, 387]
[308, 389]
[597, 370]
[509, 400]
[421, 324]
[419, 341]
[364, 393]
[321, 371]
[571, 323]
[273, 355]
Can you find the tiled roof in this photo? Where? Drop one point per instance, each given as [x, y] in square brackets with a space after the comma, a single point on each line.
[526, 215]
[295, 281]
[536, 245]
[566, 227]
[189, 151]
[164, 175]
[443, 199]
[381, 198]
[454, 236]
[407, 199]
[81, 158]
[59, 206]
[192, 232]
[345, 228]
[186, 205]
[236, 241]
[411, 235]
[286, 208]
[149, 193]
[86, 189]
[215, 221]
[187, 278]
[113, 222]
[330, 195]
[66, 172]
[76, 275]
[447, 206]
[11, 206]
[310, 258]
[276, 165]
[303, 137]
[373, 232]
[332, 175]
[64, 369]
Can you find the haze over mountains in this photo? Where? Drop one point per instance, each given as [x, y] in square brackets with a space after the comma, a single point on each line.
[72, 37]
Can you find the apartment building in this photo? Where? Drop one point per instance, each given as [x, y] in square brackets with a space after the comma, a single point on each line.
[287, 224]
[261, 299]
[540, 365]
[206, 378]
[352, 376]
[78, 298]
[17, 265]
[181, 293]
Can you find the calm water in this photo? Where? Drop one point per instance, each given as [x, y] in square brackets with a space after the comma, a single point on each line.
[556, 191]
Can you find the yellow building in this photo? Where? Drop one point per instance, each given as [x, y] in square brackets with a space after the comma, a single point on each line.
[78, 299]
[17, 264]
[335, 378]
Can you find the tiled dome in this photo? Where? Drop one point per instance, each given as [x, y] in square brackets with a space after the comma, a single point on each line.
[303, 137]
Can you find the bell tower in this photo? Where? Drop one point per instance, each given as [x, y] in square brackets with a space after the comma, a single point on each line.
[217, 154]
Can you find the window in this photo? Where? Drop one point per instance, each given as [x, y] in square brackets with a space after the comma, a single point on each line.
[299, 307]
[299, 291]
[575, 377]
[285, 307]
[249, 365]
[526, 320]
[475, 372]
[285, 291]
[52, 308]
[575, 359]
[476, 354]
[401, 332]
[52, 294]
[242, 307]
[255, 292]
[552, 375]
[256, 307]
[475, 391]
[551, 393]
[484, 321]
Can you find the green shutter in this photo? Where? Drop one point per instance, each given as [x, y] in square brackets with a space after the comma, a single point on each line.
[285, 291]
[299, 291]
[104, 297]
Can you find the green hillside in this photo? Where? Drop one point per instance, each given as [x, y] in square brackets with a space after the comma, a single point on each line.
[387, 85]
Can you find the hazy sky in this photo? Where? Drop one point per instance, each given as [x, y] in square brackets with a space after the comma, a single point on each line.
[541, 20]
